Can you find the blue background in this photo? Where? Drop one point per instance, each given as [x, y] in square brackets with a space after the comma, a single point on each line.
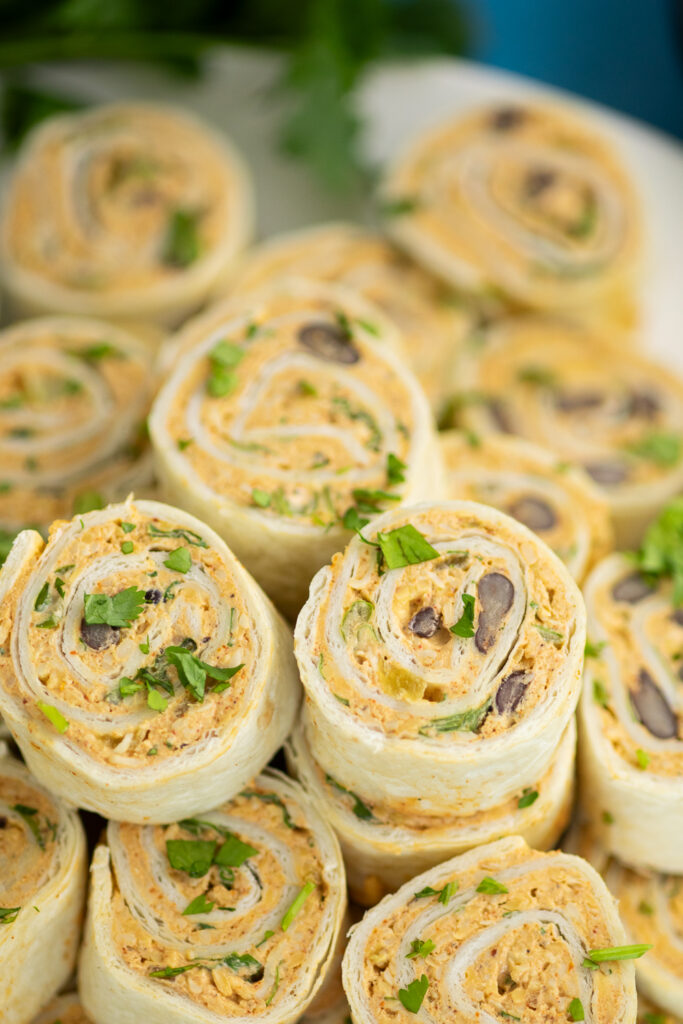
[620, 52]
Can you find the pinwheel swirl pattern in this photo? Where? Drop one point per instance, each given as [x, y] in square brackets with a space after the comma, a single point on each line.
[433, 323]
[620, 419]
[42, 892]
[446, 643]
[523, 198]
[555, 501]
[232, 916]
[124, 210]
[631, 713]
[146, 660]
[73, 399]
[283, 412]
[501, 932]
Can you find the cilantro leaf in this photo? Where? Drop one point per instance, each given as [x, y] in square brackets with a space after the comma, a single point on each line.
[464, 627]
[193, 672]
[395, 469]
[199, 905]
[119, 610]
[661, 553]
[194, 856]
[413, 995]
[460, 721]
[420, 947]
[404, 546]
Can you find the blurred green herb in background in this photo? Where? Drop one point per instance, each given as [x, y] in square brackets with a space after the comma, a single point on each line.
[327, 45]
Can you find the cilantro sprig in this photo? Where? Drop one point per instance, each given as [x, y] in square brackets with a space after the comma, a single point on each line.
[118, 610]
[661, 553]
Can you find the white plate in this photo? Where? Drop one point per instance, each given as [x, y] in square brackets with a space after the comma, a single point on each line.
[240, 94]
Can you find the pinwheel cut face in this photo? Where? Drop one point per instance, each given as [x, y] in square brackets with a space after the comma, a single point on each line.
[294, 414]
[622, 420]
[510, 947]
[72, 408]
[228, 908]
[28, 831]
[136, 633]
[636, 677]
[117, 200]
[478, 630]
[524, 197]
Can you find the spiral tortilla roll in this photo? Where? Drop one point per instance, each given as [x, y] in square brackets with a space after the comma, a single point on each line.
[43, 862]
[559, 385]
[500, 932]
[382, 849]
[144, 674]
[556, 501]
[651, 910]
[432, 320]
[441, 655]
[129, 211]
[284, 411]
[525, 199]
[65, 1009]
[74, 394]
[630, 717]
[231, 917]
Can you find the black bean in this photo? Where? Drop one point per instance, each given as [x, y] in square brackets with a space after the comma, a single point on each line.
[495, 593]
[578, 401]
[500, 414]
[99, 635]
[511, 691]
[632, 588]
[677, 616]
[153, 596]
[533, 512]
[653, 709]
[505, 118]
[330, 342]
[644, 404]
[3, 822]
[607, 473]
[425, 623]
[537, 180]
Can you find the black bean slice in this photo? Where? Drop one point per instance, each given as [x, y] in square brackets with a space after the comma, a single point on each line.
[653, 709]
[533, 512]
[153, 596]
[511, 691]
[99, 635]
[644, 404]
[677, 616]
[330, 342]
[578, 401]
[495, 593]
[632, 588]
[425, 623]
[607, 473]
[538, 180]
[500, 415]
[505, 118]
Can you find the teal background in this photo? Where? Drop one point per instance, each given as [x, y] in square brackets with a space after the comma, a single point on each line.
[624, 53]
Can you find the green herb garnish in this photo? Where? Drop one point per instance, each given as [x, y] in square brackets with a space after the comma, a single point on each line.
[199, 905]
[461, 721]
[491, 887]
[297, 904]
[464, 627]
[528, 797]
[609, 953]
[183, 534]
[412, 996]
[53, 715]
[179, 560]
[181, 245]
[420, 947]
[360, 809]
[575, 1009]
